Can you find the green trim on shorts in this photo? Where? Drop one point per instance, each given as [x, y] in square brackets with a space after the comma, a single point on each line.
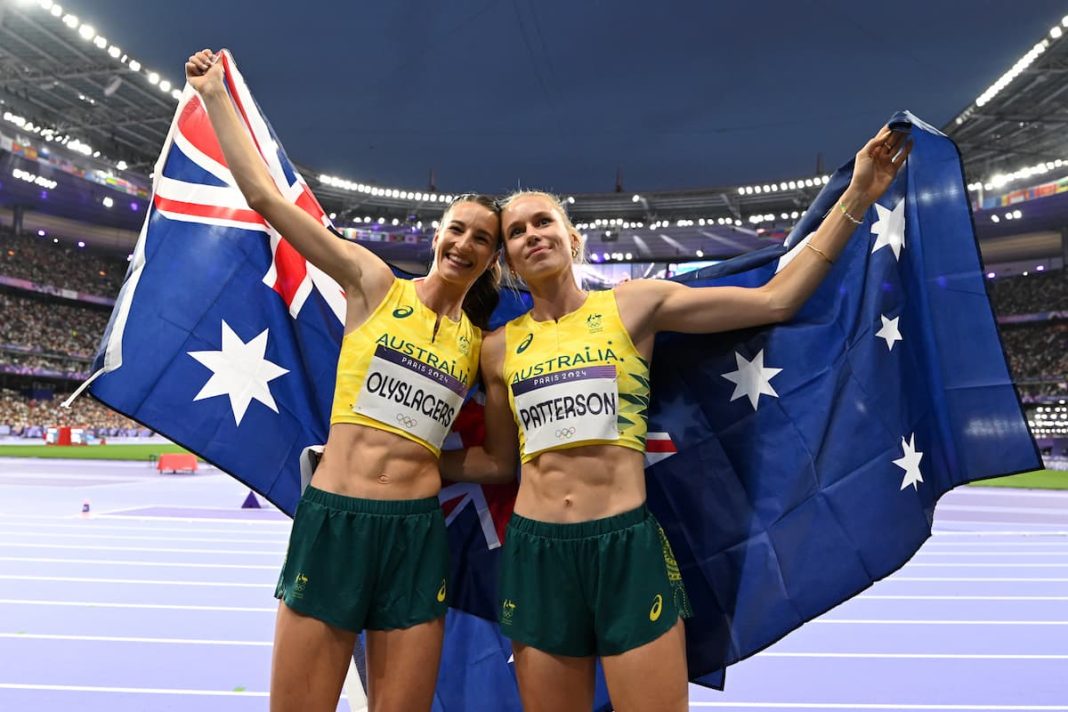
[358, 564]
[600, 587]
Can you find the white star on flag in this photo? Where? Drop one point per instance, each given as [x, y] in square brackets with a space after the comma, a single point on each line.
[752, 378]
[889, 331]
[910, 463]
[889, 228]
[239, 371]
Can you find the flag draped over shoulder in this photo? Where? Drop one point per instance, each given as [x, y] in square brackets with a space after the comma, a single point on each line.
[790, 466]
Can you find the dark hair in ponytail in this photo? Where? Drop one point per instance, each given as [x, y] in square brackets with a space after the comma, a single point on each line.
[483, 295]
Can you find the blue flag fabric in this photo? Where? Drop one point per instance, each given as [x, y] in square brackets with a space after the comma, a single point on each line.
[823, 444]
[790, 466]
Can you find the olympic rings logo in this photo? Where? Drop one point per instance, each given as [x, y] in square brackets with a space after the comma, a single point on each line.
[406, 421]
[565, 433]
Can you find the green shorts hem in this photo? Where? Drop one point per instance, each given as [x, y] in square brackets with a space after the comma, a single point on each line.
[359, 564]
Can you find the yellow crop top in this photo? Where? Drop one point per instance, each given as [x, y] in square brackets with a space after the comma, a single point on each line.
[576, 381]
[394, 373]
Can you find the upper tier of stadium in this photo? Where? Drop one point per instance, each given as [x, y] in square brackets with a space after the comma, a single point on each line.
[83, 123]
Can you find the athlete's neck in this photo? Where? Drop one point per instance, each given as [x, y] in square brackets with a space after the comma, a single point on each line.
[556, 297]
[440, 296]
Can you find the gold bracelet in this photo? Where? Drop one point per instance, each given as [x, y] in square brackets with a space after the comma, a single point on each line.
[819, 252]
[845, 211]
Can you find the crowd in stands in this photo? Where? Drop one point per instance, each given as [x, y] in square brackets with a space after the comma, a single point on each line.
[47, 337]
[24, 417]
[62, 264]
[1035, 293]
[49, 327]
[1038, 350]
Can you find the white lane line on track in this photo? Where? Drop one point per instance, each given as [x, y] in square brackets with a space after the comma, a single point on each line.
[146, 536]
[925, 621]
[882, 597]
[938, 533]
[985, 565]
[130, 639]
[164, 564]
[1036, 528]
[995, 508]
[915, 656]
[926, 553]
[876, 706]
[131, 690]
[136, 582]
[154, 549]
[92, 527]
[893, 578]
[150, 606]
[135, 521]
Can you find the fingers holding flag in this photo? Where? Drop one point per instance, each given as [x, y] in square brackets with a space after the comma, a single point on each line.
[203, 71]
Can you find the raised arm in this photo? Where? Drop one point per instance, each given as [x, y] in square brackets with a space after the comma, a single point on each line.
[497, 459]
[356, 269]
[649, 306]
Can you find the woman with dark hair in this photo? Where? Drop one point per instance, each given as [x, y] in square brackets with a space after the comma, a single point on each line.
[586, 571]
[368, 549]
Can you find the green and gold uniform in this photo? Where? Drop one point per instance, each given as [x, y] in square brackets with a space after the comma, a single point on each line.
[600, 587]
[358, 563]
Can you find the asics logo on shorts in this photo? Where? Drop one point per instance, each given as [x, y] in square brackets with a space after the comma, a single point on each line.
[657, 609]
[565, 433]
[441, 591]
[407, 421]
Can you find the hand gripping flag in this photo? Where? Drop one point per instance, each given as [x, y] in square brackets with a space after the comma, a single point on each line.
[225, 340]
[797, 464]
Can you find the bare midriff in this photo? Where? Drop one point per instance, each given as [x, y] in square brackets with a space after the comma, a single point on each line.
[359, 461]
[580, 484]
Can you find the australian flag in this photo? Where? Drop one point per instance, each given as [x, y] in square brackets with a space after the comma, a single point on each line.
[790, 466]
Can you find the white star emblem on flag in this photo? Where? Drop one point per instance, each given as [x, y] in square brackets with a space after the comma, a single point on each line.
[240, 371]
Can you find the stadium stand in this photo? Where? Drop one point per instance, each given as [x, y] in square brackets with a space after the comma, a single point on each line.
[47, 342]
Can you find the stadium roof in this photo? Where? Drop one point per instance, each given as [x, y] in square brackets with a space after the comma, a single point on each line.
[67, 84]
[71, 82]
[1018, 124]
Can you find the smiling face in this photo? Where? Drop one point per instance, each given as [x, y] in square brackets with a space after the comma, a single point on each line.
[539, 240]
[467, 242]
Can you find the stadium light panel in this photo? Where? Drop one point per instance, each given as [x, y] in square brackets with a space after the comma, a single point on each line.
[108, 202]
[114, 52]
[700, 253]
[40, 233]
[45, 4]
[1040, 268]
[153, 78]
[176, 94]
[100, 42]
[121, 165]
[87, 32]
[70, 21]
[81, 243]
[1055, 32]
[134, 65]
[165, 86]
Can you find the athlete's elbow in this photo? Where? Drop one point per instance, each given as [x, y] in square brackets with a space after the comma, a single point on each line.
[780, 305]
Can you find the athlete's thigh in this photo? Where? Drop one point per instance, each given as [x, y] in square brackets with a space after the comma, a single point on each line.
[402, 667]
[553, 683]
[309, 662]
[651, 677]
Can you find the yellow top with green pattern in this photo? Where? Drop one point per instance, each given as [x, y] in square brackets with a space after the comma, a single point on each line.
[577, 380]
[400, 373]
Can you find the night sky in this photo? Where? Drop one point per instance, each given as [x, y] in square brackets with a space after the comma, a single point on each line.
[559, 95]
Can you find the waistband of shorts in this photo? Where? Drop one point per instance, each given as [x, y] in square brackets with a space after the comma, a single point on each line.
[579, 530]
[343, 503]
